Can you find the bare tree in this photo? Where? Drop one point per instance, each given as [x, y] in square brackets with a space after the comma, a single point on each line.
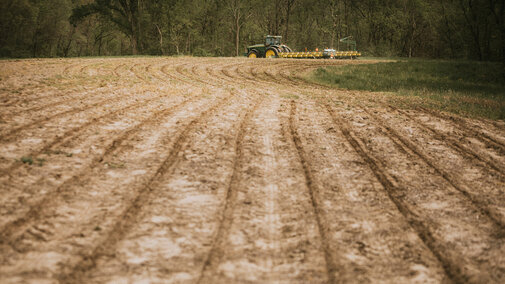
[240, 12]
[288, 7]
[498, 10]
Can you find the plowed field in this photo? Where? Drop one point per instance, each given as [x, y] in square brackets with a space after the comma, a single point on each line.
[212, 170]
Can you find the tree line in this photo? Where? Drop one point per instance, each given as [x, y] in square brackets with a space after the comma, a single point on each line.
[472, 29]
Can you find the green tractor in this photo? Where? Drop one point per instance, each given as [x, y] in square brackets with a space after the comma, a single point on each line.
[271, 48]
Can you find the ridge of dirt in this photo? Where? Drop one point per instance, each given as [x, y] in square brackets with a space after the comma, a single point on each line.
[453, 272]
[231, 196]
[475, 199]
[33, 212]
[129, 215]
[313, 190]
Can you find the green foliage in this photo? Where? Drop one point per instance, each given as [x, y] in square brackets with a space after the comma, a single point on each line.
[27, 160]
[408, 28]
[468, 87]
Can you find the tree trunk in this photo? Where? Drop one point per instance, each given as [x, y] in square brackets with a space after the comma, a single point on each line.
[275, 30]
[449, 32]
[503, 45]
[287, 25]
[237, 35]
[34, 44]
[70, 38]
[140, 42]
[500, 22]
[133, 31]
[161, 39]
[289, 6]
[134, 45]
[474, 27]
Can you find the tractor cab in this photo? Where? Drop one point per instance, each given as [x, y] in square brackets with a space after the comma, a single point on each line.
[273, 40]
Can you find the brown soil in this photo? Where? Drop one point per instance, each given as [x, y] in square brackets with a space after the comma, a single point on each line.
[191, 170]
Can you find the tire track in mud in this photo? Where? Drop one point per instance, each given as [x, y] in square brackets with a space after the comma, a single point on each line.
[260, 76]
[91, 69]
[134, 70]
[129, 215]
[116, 70]
[68, 68]
[217, 72]
[359, 212]
[183, 212]
[279, 78]
[11, 134]
[240, 77]
[70, 134]
[34, 97]
[52, 95]
[267, 74]
[193, 78]
[62, 102]
[459, 269]
[12, 229]
[31, 98]
[454, 144]
[160, 74]
[499, 126]
[179, 79]
[254, 77]
[74, 68]
[270, 233]
[152, 71]
[219, 242]
[292, 79]
[222, 77]
[83, 69]
[197, 77]
[19, 100]
[286, 74]
[403, 142]
[466, 127]
[225, 71]
[249, 79]
[452, 271]
[300, 82]
[46, 106]
[313, 191]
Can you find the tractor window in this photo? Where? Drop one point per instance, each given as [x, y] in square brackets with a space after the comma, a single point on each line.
[272, 41]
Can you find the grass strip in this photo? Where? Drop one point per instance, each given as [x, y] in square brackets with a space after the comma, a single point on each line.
[474, 89]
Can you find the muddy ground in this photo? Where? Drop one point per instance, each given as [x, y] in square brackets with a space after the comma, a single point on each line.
[212, 170]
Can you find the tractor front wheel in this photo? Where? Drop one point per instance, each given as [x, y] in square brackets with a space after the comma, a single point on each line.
[252, 54]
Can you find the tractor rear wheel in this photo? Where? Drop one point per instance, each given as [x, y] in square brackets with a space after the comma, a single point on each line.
[271, 52]
[252, 54]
